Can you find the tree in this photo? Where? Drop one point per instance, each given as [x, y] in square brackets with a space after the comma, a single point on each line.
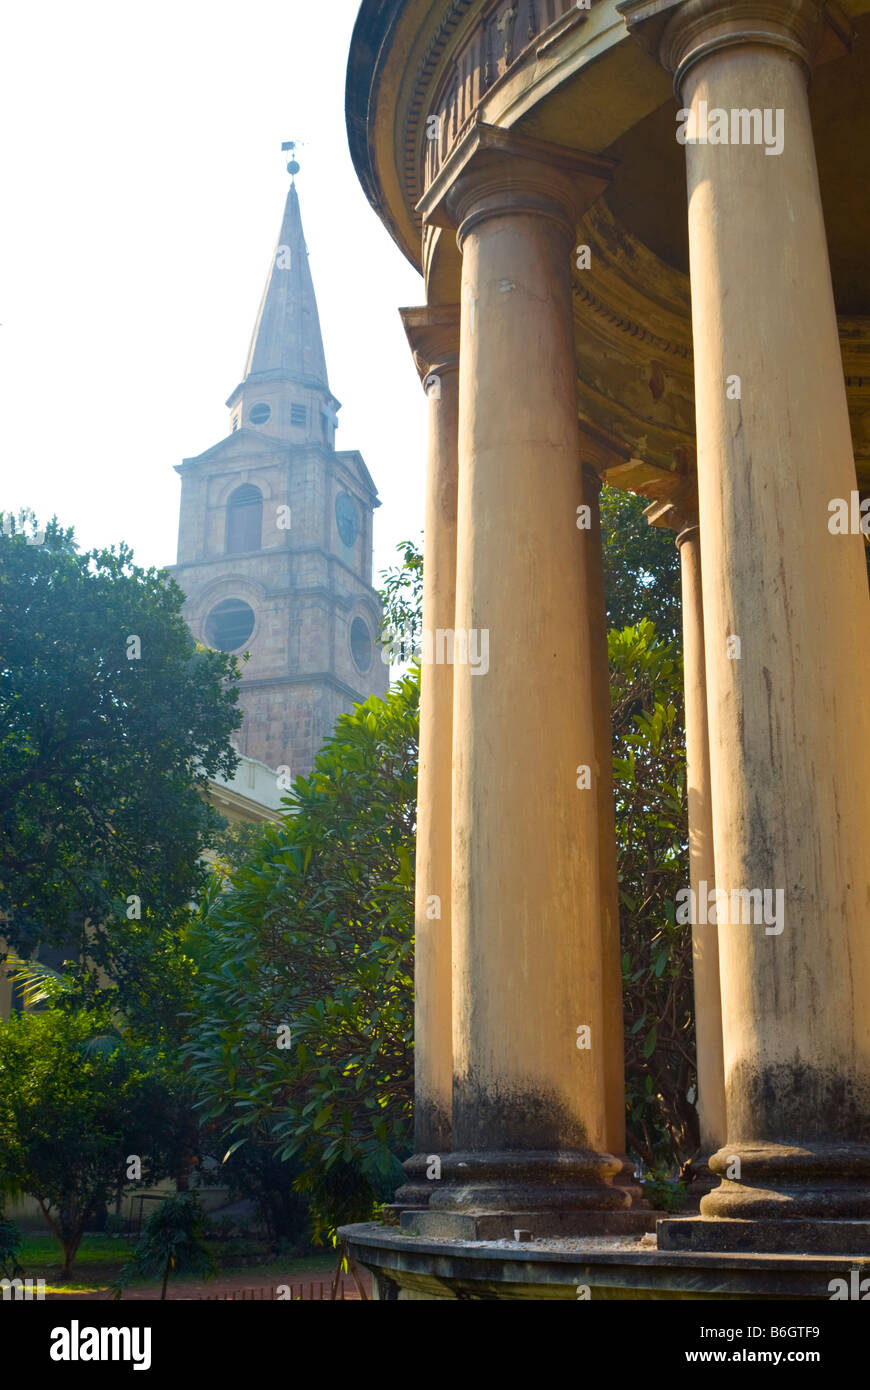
[253, 1172]
[641, 567]
[11, 1242]
[302, 1036]
[233, 845]
[402, 601]
[76, 1104]
[112, 721]
[649, 764]
[172, 1242]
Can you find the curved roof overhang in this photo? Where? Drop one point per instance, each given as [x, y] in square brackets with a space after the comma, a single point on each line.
[588, 83]
[402, 52]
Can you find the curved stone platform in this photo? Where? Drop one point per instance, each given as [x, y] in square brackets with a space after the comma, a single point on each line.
[407, 1268]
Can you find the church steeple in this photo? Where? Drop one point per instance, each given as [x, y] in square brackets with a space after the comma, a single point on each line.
[285, 388]
[275, 533]
[287, 335]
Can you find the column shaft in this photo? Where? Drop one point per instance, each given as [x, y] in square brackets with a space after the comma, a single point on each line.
[787, 678]
[705, 936]
[432, 951]
[434, 337]
[614, 1021]
[531, 1027]
[526, 904]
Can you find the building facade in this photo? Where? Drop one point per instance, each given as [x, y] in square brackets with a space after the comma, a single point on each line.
[643, 231]
[275, 533]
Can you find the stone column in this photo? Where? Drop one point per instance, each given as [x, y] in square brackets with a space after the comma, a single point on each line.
[787, 676]
[529, 1090]
[680, 513]
[614, 1020]
[702, 868]
[434, 338]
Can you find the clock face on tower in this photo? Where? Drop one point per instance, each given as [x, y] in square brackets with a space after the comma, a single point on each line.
[346, 518]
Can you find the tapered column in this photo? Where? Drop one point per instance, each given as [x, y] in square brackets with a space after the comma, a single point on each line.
[702, 869]
[434, 338]
[787, 678]
[614, 1021]
[680, 513]
[529, 1034]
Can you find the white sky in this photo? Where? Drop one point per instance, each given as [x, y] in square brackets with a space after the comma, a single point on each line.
[143, 185]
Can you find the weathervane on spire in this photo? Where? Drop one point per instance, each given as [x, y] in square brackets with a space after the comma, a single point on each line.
[293, 163]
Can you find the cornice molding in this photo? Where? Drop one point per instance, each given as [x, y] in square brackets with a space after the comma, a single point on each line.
[425, 71]
[309, 678]
[628, 325]
[255, 811]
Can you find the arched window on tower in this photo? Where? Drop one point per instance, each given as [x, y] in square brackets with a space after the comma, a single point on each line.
[244, 520]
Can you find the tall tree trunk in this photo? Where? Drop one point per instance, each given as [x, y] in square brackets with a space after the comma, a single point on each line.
[70, 1246]
[165, 1279]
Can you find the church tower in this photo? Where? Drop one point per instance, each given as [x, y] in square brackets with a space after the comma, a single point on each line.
[275, 533]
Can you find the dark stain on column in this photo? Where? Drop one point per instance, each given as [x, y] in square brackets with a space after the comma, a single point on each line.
[795, 1103]
[492, 1117]
[432, 1128]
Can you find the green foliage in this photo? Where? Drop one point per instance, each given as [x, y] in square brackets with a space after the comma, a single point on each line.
[315, 934]
[641, 566]
[255, 1173]
[75, 1101]
[233, 845]
[664, 1193]
[402, 600]
[172, 1242]
[103, 760]
[11, 1242]
[646, 686]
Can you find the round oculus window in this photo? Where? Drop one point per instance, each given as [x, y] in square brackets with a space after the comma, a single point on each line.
[229, 625]
[347, 518]
[259, 414]
[361, 644]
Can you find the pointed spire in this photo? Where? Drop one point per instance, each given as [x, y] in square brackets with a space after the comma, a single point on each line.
[287, 337]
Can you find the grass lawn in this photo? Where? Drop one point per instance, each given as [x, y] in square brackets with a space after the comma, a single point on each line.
[100, 1257]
